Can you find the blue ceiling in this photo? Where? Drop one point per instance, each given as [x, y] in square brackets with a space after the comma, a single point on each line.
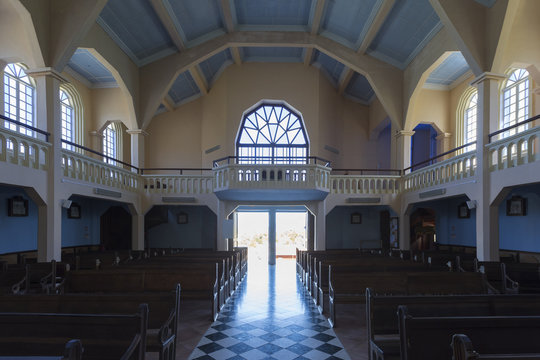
[359, 89]
[451, 69]
[272, 54]
[135, 26]
[93, 71]
[487, 3]
[276, 12]
[196, 19]
[407, 29]
[214, 66]
[183, 89]
[347, 21]
[330, 67]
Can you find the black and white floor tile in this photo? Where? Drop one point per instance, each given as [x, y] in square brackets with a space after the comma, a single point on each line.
[270, 316]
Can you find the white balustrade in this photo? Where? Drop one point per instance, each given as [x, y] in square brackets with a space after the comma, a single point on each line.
[268, 176]
[518, 149]
[22, 150]
[453, 169]
[177, 184]
[80, 167]
[361, 184]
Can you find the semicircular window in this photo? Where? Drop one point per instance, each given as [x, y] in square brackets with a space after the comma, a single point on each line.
[272, 134]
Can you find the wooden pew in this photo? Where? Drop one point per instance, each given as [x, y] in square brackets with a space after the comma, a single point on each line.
[349, 287]
[382, 321]
[42, 277]
[103, 336]
[198, 281]
[428, 338]
[527, 275]
[463, 349]
[72, 351]
[163, 307]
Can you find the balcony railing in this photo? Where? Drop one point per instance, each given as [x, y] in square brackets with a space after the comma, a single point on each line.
[365, 184]
[23, 150]
[518, 149]
[271, 160]
[177, 184]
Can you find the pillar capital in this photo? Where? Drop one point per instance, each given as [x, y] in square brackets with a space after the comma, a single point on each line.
[96, 134]
[403, 133]
[137, 132]
[443, 135]
[46, 71]
[487, 76]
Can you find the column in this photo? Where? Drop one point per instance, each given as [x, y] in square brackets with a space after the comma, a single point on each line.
[137, 147]
[221, 240]
[443, 145]
[48, 118]
[405, 230]
[402, 153]
[96, 143]
[487, 218]
[137, 231]
[320, 226]
[272, 237]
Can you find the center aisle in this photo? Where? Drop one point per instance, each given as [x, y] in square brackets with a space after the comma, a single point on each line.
[270, 316]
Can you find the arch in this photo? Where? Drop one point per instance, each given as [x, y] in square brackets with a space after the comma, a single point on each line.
[77, 114]
[272, 132]
[515, 100]
[112, 141]
[463, 104]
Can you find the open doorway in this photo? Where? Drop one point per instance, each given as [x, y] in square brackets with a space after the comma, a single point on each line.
[252, 232]
[291, 233]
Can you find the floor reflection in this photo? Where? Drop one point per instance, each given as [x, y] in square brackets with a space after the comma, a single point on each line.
[270, 317]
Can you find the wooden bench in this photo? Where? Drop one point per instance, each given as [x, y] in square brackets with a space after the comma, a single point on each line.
[72, 351]
[103, 336]
[198, 281]
[163, 307]
[428, 338]
[42, 277]
[350, 287]
[527, 275]
[382, 321]
[463, 349]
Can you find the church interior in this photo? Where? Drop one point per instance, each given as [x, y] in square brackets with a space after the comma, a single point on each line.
[270, 179]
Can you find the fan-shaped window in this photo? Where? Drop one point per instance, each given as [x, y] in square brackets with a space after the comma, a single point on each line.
[67, 119]
[18, 99]
[272, 134]
[515, 101]
[470, 122]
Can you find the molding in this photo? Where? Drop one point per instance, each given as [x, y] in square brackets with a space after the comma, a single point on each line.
[400, 133]
[97, 134]
[487, 76]
[137, 132]
[46, 71]
[444, 135]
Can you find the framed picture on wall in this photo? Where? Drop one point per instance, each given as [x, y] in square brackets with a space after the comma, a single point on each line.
[17, 206]
[463, 211]
[74, 211]
[182, 218]
[356, 218]
[516, 206]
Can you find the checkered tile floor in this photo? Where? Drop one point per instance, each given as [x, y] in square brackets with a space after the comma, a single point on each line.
[270, 316]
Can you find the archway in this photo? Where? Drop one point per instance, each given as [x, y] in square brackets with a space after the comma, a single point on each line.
[115, 225]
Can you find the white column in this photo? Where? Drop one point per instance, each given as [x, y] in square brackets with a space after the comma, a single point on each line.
[48, 118]
[221, 217]
[137, 232]
[96, 143]
[443, 145]
[320, 226]
[137, 147]
[403, 149]
[487, 218]
[272, 237]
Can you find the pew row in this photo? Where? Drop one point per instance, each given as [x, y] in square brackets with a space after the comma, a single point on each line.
[349, 287]
[463, 349]
[104, 337]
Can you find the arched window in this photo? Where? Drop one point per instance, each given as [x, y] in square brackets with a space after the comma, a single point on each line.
[272, 134]
[515, 101]
[112, 142]
[67, 119]
[18, 99]
[469, 122]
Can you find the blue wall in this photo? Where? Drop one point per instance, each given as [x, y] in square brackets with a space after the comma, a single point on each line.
[341, 234]
[521, 232]
[199, 232]
[86, 230]
[450, 229]
[423, 144]
[17, 233]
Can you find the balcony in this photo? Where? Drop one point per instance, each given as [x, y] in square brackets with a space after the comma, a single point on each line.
[235, 180]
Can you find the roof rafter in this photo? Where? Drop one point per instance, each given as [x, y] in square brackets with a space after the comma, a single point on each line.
[317, 17]
[376, 24]
[168, 103]
[227, 15]
[168, 23]
[345, 79]
[199, 79]
[157, 77]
